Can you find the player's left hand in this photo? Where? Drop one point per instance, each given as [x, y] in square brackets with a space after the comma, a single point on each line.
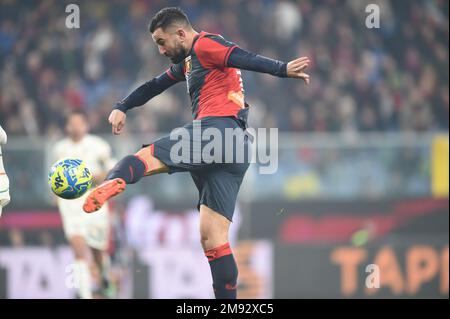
[296, 67]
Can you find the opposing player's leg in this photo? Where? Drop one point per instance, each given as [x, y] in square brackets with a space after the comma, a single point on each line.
[82, 273]
[214, 229]
[129, 170]
[97, 230]
[102, 261]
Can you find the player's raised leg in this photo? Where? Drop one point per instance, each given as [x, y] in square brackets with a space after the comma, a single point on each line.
[128, 170]
[214, 239]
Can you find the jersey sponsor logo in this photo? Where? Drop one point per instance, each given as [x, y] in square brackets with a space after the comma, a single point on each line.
[187, 71]
[187, 66]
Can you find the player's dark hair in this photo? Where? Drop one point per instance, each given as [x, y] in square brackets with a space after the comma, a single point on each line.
[76, 112]
[167, 17]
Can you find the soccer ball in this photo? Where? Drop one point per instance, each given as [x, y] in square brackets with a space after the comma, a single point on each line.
[69, 178]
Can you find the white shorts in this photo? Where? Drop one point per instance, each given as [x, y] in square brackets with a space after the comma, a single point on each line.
[94, 228]
[4, 191]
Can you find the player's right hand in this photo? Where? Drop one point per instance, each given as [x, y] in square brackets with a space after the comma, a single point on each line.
[117, 120]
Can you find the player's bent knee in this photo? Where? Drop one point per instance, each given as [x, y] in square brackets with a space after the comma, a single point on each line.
[212, 236]
[212, 242]
[152, 164]
[79, 247]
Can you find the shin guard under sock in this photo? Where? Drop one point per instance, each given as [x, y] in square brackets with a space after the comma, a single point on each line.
[131, 169]
[224, 271]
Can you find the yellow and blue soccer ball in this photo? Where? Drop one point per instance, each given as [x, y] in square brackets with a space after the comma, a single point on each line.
[69, 178]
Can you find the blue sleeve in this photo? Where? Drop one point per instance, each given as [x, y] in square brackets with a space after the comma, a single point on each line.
[244, 60]
[176, 72]
[147, 91]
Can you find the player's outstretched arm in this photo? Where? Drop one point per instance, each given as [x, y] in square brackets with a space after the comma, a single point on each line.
[138, 97]
[242, 59]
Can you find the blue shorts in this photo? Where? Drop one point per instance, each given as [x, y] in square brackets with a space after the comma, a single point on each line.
[218, 180]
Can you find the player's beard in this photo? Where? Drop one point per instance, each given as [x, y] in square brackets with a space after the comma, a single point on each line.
[178, 55]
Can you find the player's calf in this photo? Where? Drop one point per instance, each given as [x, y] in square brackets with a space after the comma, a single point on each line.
[133, 167]
[224, 271]
[130, 169]
[214, 239]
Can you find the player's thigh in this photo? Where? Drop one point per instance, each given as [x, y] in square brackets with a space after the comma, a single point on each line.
[154, 165]
[73, 225]
[213, 228]
[97, 228]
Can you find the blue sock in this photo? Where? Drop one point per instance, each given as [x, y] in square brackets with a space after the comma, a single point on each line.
[224, 271]
[131, 169]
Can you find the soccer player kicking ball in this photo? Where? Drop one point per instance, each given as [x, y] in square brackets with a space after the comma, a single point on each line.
[211, 66]
[4, 181]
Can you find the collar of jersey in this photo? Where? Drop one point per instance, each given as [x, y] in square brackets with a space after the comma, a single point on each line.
[198, 36]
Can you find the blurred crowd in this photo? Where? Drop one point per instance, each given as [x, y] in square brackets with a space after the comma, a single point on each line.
[392, 78]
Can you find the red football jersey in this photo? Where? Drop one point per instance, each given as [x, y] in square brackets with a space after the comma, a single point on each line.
[214, 88]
